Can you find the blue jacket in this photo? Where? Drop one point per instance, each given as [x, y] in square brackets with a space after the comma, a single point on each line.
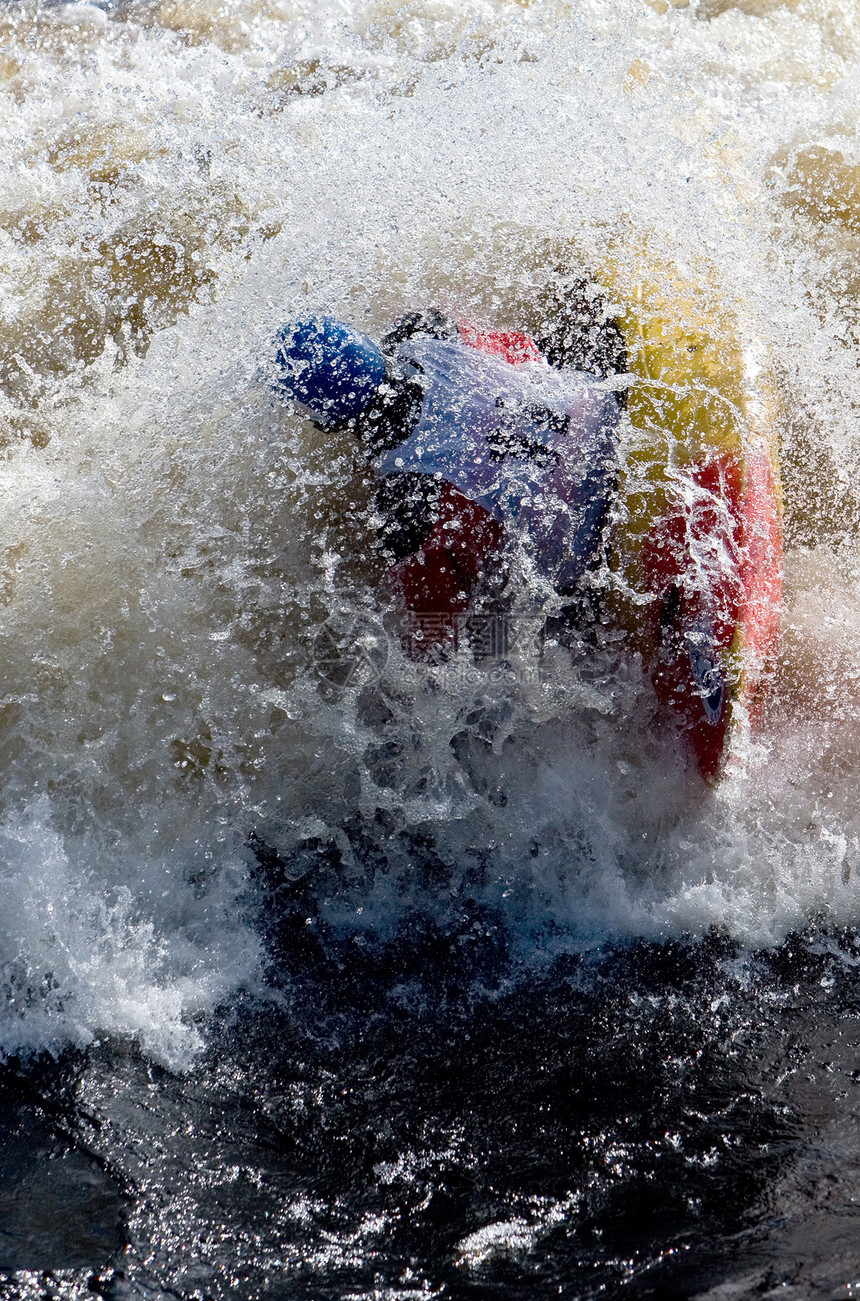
[533, 445]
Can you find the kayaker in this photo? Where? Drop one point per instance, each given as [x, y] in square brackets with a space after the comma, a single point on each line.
[480, 441]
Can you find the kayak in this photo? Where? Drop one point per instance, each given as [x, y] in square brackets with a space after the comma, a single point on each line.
[696, 548]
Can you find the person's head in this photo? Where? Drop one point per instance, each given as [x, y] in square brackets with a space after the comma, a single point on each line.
[327, 366]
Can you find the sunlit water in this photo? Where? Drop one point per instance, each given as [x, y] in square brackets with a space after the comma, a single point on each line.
[506, 1006]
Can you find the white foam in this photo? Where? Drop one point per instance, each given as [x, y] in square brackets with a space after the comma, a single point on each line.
[164, 557]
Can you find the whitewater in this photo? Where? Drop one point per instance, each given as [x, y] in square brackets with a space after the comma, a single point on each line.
[207, 817]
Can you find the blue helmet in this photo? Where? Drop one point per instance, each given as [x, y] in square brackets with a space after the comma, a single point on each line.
[329, 367]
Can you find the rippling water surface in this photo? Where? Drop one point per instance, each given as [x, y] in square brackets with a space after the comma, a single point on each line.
[388, 981]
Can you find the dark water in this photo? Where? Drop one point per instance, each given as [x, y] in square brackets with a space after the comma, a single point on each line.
[426, 1117]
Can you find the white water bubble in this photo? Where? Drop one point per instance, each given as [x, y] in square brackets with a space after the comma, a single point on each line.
[180, 179]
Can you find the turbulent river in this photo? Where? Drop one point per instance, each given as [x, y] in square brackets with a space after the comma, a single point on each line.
[325, 972]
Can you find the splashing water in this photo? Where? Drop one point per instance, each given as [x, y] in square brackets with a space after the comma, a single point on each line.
[180, 178]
